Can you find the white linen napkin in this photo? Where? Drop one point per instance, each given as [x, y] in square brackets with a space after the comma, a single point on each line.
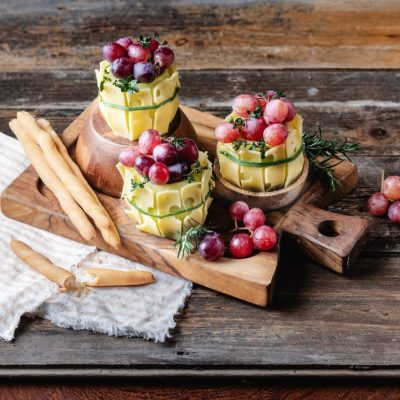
[145, 311]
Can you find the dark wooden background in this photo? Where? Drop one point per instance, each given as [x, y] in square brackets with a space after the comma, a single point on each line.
[340, 62]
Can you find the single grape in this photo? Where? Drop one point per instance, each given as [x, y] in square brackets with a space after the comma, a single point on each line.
[149, 139]
[244, 104]
[165, 153]
[275, 111]
[264, 238]
[254, 218]
[128, 156]
[178, 171]
[254, 128]
[163, 57]
[137, 53]
[143, 164]
[212, 247]
[391, 188]
[144, 72]
[121, 68]
[226, 133]
[159, 174]
[112, 51]
[125, 42]
[378, 204]
[275, 134]
[291, 111]
[237, 210]
[394, 212]
[241, 245]
[188, 152]
[153, 45]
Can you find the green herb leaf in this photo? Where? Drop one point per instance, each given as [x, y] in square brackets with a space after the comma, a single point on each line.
[237, 122]
[195, 169]
[136, 185]
[176, 141]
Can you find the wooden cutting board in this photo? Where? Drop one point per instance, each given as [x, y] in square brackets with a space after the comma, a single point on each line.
[332, 239]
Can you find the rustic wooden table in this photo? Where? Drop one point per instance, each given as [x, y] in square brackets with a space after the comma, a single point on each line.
[340, 62]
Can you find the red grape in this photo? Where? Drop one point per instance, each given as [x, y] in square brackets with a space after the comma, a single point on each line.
[165, 153]
[241, 245]
[125, 42]
[212, 247]
[112, 51]
[275, 134]
[264, 238]
[244, 104]
[275, 111]
[254, 128]
[159, 174]
[137, 53]
[143, 164]
[188, 152]
[391, 188]
[226, 133]
[148, 140]
[254, 218]
[121, 68]
[144, 72]
[153, 44]
[378, 204]
[270, 94]
[163, 57]
[237, 210]
[291, 111]
[394, 212]
[177, 171]
[128, 156]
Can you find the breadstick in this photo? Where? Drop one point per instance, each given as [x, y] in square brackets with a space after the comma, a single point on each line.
[113, 277]
[50, 179]
[114, 239]
[40, 263]
[62, 170]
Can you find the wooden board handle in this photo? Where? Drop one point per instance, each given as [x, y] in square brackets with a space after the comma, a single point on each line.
[333, 240]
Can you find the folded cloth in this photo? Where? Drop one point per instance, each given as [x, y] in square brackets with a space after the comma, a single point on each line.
[145, 311]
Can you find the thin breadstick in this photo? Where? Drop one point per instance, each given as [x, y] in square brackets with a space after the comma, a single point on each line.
[114, 239]
[62, 170]
[50, 179]
[64, 278]
[113, 277]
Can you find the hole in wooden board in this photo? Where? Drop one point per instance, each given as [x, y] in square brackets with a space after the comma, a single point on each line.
[330, 228]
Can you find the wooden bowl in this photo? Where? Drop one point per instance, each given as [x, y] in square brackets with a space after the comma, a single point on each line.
[273, 200]
[98, 148]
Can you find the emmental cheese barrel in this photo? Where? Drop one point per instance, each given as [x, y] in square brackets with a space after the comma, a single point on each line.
[263, 169]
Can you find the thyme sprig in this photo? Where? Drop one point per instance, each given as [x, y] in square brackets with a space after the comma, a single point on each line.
[189, 240]
[137, 185]
[259, 145]
[145, 41]
[256, 113]
[195, 169]
[177, 142]
[237, 122]
[324, 155]
[125, 85]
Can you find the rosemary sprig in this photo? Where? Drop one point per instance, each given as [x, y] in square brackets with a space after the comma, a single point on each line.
[195, 169]
[320, 153]
[189, 240]
[136, 185]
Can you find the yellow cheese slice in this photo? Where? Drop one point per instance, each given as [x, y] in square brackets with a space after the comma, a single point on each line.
[169, 201]
[293, 143]
[274, 176]
[251, 178]
[228, 169]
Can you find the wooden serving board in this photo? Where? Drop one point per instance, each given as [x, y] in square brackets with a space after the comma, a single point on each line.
[331, 239]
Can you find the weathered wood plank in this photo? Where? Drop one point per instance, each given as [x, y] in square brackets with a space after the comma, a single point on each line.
[57, 35]
[363, 105]
[357, 329]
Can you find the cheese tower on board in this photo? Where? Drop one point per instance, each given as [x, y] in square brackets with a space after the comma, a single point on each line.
[167, 184]
[138, 86]
[260, 143]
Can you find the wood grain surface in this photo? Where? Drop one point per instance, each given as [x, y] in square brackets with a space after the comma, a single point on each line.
[340, 62]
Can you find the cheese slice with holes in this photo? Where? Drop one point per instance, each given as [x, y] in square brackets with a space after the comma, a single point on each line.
[131, 124]
[188, 201]
[293, 143]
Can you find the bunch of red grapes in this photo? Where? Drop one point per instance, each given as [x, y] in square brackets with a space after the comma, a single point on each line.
[144, 59]
[242, 245]
[161, 160]
[262, 116]
[379, 204]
